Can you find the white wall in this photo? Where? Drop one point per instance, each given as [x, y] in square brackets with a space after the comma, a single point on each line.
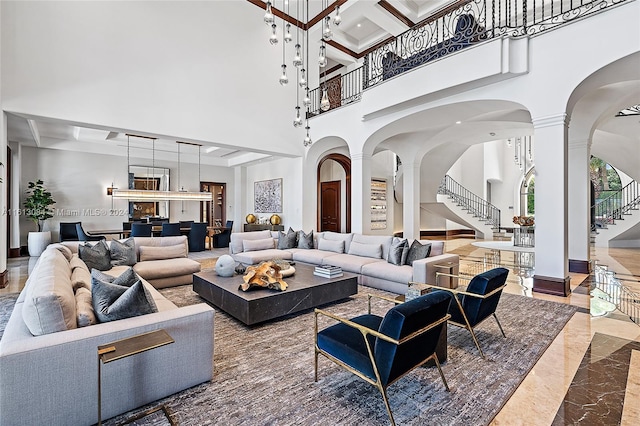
[290, 170]
[79, 181]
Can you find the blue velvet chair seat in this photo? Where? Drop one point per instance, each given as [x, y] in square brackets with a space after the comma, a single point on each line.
[346, 343]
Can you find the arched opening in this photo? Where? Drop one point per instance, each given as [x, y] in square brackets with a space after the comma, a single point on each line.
[527, 194]
[327, 197]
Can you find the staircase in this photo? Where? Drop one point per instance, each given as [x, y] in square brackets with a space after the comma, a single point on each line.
[480, 214]
[617, 214]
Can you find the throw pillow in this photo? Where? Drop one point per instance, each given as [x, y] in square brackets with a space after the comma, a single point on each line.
[253, 245]
[417, 251]
[305, 241]
[113, 301]
[96, 256]
[84, 308]
[396, 251]
[288, 240]
[123, 253]
[76, 263]
[80, 277]
[162, 252]
[331, 245]
[66, 251]
[366, 250]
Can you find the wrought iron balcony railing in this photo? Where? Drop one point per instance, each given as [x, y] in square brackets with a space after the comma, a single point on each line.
[617, 204]
[460, 25]
[475, 205]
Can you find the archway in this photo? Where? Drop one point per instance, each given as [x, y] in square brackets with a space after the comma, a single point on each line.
[345, 163]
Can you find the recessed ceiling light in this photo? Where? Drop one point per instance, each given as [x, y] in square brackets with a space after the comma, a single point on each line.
[359, 25]
[458, 122]
[492, 134]
[211, 149]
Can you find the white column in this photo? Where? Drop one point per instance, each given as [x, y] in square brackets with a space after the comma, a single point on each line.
[551, 267]
[411, 201]
[238, 207]
[3, 199]
[361, 193]
[579, 205]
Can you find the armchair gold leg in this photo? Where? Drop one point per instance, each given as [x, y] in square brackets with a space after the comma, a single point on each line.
[476, 341]
[499, 325]
[435, 358]
[315, 366]
[383, 391]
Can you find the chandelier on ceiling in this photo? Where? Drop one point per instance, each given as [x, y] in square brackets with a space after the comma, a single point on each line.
[301, 53]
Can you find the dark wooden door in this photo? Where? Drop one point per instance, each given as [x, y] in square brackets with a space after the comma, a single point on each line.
[215, 210]
[330, 206]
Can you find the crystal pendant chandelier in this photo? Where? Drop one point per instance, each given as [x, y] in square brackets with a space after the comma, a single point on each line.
[302, 82]
[322, 56]
[324, 102]
[283, 78]
[274, 36]
[268, 15]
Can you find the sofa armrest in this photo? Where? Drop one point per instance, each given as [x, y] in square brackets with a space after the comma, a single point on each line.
[60, 370]
[424, 270]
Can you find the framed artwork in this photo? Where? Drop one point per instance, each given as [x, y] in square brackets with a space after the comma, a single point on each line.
[268, 196]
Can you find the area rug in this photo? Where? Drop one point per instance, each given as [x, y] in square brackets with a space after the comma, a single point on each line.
[6, 307]
[263, 375]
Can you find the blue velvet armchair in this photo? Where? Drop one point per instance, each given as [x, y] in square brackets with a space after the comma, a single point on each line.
[478, 301]
[381, 350]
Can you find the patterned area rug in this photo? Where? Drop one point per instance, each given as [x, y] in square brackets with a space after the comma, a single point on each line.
[6, 307]
[208, 263]
[264, 375]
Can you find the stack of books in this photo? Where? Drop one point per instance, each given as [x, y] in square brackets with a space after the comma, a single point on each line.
[328, 271]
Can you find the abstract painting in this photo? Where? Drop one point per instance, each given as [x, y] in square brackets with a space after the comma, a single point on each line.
[268, 196]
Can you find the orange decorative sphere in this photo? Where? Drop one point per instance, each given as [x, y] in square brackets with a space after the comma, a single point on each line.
[275, 219]
[251, 218]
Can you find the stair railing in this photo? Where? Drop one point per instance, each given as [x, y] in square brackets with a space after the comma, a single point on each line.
[615, 206]
[474, 204]
[615, 292]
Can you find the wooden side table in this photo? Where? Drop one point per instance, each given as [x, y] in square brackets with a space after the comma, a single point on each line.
[450, 268]
[124, 348]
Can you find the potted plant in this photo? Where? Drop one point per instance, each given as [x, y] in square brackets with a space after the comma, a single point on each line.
[38, 209]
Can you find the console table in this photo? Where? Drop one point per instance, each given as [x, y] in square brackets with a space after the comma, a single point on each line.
[248, 227]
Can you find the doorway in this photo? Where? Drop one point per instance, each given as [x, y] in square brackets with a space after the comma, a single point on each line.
[330, 206]
[344, 162]
[214, 212]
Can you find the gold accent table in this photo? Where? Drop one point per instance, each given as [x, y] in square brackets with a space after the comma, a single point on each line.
[447, 281]
[127, 347]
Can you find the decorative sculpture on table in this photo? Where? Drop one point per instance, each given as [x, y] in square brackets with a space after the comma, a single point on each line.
[225, 266]
[264, 275]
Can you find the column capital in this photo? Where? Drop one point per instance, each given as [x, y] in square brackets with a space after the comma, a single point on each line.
[550, 120]
[360, 156]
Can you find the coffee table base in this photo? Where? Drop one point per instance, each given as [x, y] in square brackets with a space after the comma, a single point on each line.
[305, 291]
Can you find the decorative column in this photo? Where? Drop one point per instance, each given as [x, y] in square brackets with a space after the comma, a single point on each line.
[361, 193]
[579, 206]
[3, 199]
[551, 204]
[411, 201]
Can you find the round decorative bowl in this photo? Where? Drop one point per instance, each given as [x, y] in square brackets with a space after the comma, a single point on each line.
[250, 218]
[275, 219]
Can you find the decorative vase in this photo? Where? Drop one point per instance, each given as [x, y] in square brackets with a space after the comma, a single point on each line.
[250, 218]
[275, 219]
[37, 242]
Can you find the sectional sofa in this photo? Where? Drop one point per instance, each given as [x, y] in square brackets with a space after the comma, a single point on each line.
[365, 255]
[49, 365]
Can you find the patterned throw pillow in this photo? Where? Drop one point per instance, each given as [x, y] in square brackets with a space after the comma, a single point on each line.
[288, 240]
[305, 241]
[418, 251]
[123, 253]
[96, 256]
[121, 297]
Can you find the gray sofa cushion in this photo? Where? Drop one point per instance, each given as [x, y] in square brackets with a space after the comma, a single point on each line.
[389, 272]
[80, 277]
[255, 257]
[95, 256]
[349, 262]
[161, 253]
[237, 238]
[49, 303]
[262, 244]
[84, 308]
[310, 256]
[337, 236]
[382, 240]
[154, 269]
[121, 297]
[66, 251]
[336, 246]
[123, 253]
[366, 250]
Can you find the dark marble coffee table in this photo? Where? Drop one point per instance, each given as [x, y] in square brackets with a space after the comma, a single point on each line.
[305, 291]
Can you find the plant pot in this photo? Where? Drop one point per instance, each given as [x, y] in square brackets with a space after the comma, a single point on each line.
[38, 241]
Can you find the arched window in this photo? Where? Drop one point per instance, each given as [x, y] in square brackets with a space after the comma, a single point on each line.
[527, 194]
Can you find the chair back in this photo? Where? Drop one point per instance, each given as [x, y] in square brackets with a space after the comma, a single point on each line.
[170, 229]
[229, 225]
[186, 223]
[477, 309]
[68, 231]
[403, 320]
[126, 226]
[141, 229]
[197, 235]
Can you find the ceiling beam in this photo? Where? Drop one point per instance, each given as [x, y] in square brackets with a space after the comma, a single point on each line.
[396, 13]
[280, 14]
[33, 126]
[320, 16]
